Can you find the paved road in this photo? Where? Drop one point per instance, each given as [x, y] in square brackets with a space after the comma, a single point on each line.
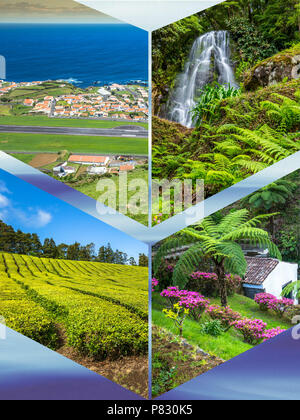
[122, 131]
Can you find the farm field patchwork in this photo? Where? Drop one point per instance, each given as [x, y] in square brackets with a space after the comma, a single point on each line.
[92, 311]
[19, 142]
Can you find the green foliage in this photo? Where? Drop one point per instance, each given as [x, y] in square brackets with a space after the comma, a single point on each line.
[24, 316]
[170, 46]
[218, 241]
[289, 242]
[213, 328]
[211, 97]
[246, 138]
[102, 313]
[251, 43]
[292, 288]
[285, 115]
[29, 244]
[272, 197]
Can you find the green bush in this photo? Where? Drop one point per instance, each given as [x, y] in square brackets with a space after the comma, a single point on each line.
[213, 328]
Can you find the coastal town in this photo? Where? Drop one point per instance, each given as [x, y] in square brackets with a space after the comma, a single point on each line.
[114, 101]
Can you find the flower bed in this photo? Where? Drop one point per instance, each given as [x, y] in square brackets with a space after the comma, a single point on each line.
[207, 283]
[225, 315]
[266, 301]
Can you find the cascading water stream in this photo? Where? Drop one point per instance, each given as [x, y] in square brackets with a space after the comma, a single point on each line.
[209, 55]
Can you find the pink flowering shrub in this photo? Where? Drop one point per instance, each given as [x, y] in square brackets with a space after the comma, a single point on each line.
[207, 283]
[252, 329]
[225, 315]
[155, 283]
[272, 333]
[267, 301]
[193, 301]
[280, 306]
[263, 299]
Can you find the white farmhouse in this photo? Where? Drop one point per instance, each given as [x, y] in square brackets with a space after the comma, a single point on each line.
[268, 275]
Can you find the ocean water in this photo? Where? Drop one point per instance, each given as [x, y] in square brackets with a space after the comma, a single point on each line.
[83, 54]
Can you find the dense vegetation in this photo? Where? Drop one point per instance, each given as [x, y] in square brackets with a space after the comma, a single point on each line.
[18, 242]
[101, 308]
[259, 29]
[238, 135]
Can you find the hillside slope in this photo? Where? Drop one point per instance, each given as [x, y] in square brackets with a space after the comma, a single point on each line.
[228, 147]
[101, 307]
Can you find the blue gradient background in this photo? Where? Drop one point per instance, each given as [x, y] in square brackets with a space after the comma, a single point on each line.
[29, 371]
[270, 371]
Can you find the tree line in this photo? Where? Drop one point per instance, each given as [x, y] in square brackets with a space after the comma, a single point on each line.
[18, 242]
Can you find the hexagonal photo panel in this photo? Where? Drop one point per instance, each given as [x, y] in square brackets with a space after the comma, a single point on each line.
[226, 94]
[74, 105]
[226, 284]
[73, 284]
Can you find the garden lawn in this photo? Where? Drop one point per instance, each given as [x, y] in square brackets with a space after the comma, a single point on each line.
[40, 121]
[40, 143]
[228, 345]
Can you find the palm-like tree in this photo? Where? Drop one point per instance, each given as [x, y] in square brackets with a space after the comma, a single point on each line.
[220, 242]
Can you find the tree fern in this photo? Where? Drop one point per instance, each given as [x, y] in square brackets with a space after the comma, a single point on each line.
[219, 241]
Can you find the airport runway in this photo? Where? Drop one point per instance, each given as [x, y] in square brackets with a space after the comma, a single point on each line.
[122, 131]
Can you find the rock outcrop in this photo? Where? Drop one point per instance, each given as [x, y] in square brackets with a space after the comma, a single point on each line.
[284, 65]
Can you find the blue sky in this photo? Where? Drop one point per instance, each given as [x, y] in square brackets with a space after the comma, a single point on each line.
[34, 211]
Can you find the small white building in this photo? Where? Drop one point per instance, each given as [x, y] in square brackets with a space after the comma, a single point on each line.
[63, 170]
[97, 170]
[268, 275]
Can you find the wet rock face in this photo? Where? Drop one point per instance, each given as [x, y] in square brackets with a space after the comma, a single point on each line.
[274, 70]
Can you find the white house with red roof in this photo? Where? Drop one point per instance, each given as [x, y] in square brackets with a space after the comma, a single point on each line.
[268, 275]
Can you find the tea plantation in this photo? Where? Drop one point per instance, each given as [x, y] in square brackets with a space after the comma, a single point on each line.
[100, 309]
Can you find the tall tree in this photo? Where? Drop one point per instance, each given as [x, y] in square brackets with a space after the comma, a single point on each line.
[143, 260]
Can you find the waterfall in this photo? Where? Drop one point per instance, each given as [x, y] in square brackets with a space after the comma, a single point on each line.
[209, 55]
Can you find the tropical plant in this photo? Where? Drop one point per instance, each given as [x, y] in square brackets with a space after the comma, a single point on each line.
[219, 241]
[210, 98]
[266, 144]
[273, 196]
[292, 288]
[284, 115]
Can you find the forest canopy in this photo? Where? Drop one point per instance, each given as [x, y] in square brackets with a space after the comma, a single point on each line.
[18, 242]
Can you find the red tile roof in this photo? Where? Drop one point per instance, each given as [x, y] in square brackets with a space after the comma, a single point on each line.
[259, 269]
[87, 159]
[126, 168]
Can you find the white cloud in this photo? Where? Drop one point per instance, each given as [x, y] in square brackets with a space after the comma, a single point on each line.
[4, 201]
[33, 218]
[43, 218]
[3, 188]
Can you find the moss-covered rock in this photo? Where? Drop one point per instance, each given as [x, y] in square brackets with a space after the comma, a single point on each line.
[284, 65]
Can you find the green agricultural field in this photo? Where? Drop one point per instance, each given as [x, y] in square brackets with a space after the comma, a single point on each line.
[102, 308]
[24, 157]
[89, 188]
[40, 91]
[40, 121]
[39, 143]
